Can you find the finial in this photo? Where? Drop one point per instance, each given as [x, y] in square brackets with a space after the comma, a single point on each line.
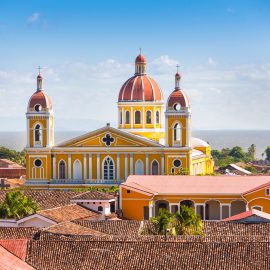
[177, 68]
[39, 68]
[140, 49]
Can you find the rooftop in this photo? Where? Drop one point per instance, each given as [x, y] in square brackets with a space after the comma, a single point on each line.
[162, 184]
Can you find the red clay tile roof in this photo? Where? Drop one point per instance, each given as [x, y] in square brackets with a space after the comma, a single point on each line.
[177, 96]
[94, 195]
[140, 59]
[69, 213]
[9, 261]
[122, 255]
[17, 233]
[17, 247]
[46, 199]
[41, 98]
[70, 228]
[167, 184]
[140, 88]
[113, 227]
[252, 212]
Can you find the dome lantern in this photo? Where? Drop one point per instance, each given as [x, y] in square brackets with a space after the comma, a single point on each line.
[140, 65]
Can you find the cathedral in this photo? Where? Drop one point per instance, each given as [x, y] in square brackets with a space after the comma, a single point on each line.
[153, 138]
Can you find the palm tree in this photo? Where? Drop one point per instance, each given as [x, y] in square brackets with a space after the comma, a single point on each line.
[161, 222]
[188, 222]
[17, 205]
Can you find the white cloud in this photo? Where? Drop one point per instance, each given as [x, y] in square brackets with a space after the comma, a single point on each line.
[33, 18]
[211, 61]
[220, 96]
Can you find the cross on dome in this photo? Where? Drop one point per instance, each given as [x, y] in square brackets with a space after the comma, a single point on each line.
[108, 140]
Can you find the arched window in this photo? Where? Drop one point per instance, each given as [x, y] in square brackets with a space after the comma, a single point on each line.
[154, 168]
[77, 170]
[157, 117]
[127, 117]
[257, 207]
[121, 116]
[148, 117]
[108, 169]
[137, 117]
[62, 170]
[38, 134]
[100, 209]
[139, 168]
[177, 133]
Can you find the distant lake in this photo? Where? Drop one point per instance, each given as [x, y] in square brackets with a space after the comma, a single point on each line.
[217, 138]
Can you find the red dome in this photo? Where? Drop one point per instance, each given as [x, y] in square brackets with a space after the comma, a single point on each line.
[178, 96]
[140, 59]
[40, 98]
[140, 88]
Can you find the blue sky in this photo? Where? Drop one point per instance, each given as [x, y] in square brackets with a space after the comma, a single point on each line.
[87, 50]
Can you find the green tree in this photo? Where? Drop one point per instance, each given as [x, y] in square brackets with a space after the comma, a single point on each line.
[188, 222]
[237, 152]
[252, 151]
[185, 222]
[267, 153]
[162, 221]
[18, 157]
[17, 205]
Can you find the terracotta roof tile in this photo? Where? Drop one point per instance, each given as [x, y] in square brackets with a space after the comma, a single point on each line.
[94, 195]
[69, 213]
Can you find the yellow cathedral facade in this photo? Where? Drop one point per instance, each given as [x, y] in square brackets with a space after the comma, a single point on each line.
[153, 137]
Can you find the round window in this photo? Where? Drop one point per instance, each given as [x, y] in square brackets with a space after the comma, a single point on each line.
[177, 106]
[176, 163]
[38, 162]
[38, 108]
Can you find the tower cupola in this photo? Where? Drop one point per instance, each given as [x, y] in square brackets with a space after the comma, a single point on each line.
[140, 65]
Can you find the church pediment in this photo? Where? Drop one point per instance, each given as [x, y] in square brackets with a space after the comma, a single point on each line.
[109, 137]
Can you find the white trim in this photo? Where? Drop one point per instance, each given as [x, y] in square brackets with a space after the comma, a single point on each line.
[131, 164]
[90, 166]
[118, 166]
[84, 167]
[37, 215]
[147, 164]
[69, 166]
[126, 167]
[134, 82]
[54, 167]
[98, 167]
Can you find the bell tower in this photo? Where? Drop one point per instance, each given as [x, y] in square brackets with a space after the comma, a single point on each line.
[178, 117]
[40, 118]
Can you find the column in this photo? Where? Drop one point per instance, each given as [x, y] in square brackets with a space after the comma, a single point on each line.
[28, 132]
[123, 117]
[131, 117]
[48, 132]
[143, 117]
[147, 164]
[154, 116]
[54, 167]
[69, 166]
[117, 167]
[90, 166]
[131, 164]
[166, 131]
[126, 167]
[98, 167]
[151, 208]
[162, 165]
[187, 131]
[220, 211]
[84, 167]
